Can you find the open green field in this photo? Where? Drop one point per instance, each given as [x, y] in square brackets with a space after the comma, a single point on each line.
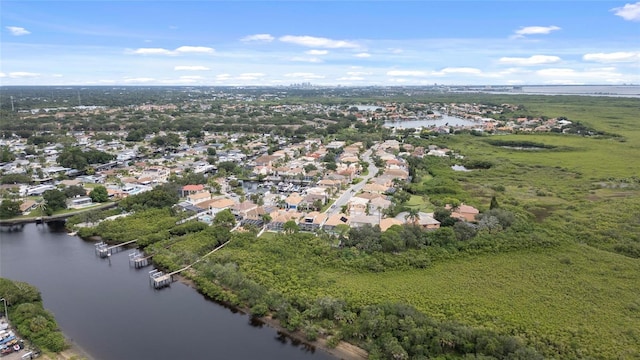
[578, 300]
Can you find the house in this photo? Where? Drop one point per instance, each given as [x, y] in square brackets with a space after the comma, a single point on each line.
[386, 223]
[27, 206]
[240, 210]
[375, 188]
[357, 206]
[254, 217]
[199, 197]
[463, 212]
[378, 205]
[425, 220]
[158, 174]
[335, 220]
[280, 217]
[362, 220]
[191, 189]
[328, 183]
[397, 173]
[214, 206]
[293, 201]
[312, 221]
[79, 202]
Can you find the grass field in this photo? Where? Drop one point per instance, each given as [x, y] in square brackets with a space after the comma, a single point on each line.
[578, 300]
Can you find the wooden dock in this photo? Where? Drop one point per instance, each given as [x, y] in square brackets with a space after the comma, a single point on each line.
[158, 279]
[103, 250]
[138, 260]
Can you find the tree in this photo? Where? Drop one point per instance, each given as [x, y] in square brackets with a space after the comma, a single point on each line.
[74, 190]
[494, 203]
[9, 209]
[55, 199]
[6, 155]
[290, 227]
[99, 194]
[225, 218]
[413, 215]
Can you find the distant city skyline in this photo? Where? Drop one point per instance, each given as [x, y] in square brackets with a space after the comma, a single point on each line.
[324, 43]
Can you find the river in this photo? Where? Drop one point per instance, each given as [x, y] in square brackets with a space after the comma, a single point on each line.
[109, 310]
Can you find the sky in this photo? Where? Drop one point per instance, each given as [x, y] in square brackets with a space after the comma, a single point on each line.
[329, 43]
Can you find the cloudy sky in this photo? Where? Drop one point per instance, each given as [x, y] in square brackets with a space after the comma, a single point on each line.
[321, 42]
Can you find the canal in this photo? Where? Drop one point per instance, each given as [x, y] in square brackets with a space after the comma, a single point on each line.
[110, 311]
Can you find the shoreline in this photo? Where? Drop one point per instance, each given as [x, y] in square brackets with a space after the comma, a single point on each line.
[343, 351]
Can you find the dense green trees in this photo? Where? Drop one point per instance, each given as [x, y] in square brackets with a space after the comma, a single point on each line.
[9, 208]
[29, 317]
[161, 196]
[75, 158]
[55, 200]
[15, 179]
[74, 190]
[6, 155]
[99, 194]
[224, 218]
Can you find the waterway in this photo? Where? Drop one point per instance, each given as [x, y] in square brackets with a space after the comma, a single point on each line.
[445, 120]
[110, 311]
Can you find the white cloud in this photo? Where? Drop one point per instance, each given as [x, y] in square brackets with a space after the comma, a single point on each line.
[535, 30]
[139, 80]
[358, 73]
[258, 37]
[317, 52]
[190, 68]
[317, 42]
[351, 78]
[223, 76]
[532, 60]
[306, 59]
[2, 75]
[362, 55]
[396, 50]
[152, 51]
[195, 49]
[458, 70]
[191, 77]
[180, 50]
[22, 74]
[250, 76]
[57, 75]
[621, 56]
[18, 31]
[304, 75]
[629, 12]
[415, 73]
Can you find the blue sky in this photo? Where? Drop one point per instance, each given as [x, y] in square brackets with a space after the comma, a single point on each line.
[321, 42]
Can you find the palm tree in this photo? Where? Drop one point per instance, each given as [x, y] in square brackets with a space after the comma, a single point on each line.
[42, 206]
[413, 216]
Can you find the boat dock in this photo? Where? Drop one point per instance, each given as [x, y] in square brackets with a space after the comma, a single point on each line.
[103, 250]
[138, 260]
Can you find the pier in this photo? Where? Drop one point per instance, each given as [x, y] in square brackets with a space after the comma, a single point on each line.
[103, 250]
[158, 279]
[138, 260]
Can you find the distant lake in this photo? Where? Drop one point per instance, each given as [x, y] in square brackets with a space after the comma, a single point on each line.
[632, 91]
[446, 120]
[366, 107]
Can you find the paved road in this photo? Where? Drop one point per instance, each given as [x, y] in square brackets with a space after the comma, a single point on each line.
[354, 189]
